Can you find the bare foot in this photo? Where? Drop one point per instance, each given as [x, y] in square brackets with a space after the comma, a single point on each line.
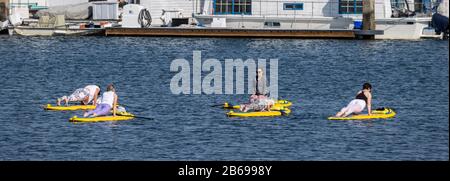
[241, 108]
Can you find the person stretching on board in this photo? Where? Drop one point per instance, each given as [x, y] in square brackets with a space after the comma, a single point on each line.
[108, 101]
[357, 105]
[84, 95]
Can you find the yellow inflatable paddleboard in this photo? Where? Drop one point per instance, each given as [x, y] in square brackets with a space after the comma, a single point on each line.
[119, 117]
[69, 108]
[278, 104]
[285, 111]
[382, 113]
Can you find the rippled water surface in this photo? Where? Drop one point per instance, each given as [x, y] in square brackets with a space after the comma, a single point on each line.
[319, 76]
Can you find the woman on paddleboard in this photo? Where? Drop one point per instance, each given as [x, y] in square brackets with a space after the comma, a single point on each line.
[258, 100]
[108, 101]
[84, 95]
[357, 105]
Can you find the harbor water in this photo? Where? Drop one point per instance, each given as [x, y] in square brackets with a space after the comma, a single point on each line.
[318, 76]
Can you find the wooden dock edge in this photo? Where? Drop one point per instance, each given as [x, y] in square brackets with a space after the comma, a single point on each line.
[229, 32]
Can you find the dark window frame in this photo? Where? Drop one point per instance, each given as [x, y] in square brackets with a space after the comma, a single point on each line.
[350, 6]
[233, 7]
[293, 6]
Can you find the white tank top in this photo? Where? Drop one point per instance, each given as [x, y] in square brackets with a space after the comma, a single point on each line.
[108, 98]
[91, 89]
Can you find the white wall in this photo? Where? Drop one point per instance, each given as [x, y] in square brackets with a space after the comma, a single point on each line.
[156, 6]
[311, 8]
[64, 2]
[40, 2]
[20, 7]
[443, 8]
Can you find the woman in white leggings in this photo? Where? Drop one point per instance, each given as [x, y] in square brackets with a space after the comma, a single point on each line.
[357, 105]
[85, 95]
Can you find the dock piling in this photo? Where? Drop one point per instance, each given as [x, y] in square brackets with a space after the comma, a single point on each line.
[368, 18]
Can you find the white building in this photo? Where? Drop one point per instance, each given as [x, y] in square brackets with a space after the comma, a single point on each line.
[297, 14]
[272, 8]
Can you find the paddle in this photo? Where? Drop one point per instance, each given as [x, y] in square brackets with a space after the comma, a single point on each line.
[217, 105]
[134, 116]
[140, 117]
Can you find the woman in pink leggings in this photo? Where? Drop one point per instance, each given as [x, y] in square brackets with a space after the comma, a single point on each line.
[107, 102]
[357, 105]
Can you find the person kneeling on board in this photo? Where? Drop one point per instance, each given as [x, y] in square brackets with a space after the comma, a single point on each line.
[84, 95]
[108, 101]
[264, 104]
[357, 105]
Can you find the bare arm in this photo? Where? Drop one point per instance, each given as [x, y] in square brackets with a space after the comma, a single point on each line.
[95, 97]
[254, 88]
[264, 92]
[369, 102]
[115, 105]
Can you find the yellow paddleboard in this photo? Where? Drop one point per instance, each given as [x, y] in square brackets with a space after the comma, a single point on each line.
[376, 114]
[285, 111]
[278, 104]
[69, 108]
[118, 117]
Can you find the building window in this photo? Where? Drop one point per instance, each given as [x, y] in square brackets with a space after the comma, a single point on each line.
[293, 6]
[135, 1]
[350, 6]
[272, 24]
[232, 6]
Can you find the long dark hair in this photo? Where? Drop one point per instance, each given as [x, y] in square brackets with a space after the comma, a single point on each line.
[366, 86]
[110, 87]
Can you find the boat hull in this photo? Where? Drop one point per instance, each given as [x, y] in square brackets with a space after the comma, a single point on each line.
[30, 31]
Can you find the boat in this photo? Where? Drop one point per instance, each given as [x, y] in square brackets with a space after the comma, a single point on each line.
[56, 26]
[34, 31]
[380, 113]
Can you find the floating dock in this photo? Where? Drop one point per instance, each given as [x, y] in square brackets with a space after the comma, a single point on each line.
[230, 32]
